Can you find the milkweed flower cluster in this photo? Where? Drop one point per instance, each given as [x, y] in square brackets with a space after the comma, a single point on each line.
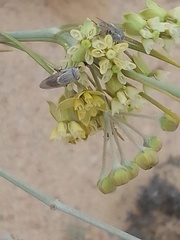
[155, 25]
[104, 99]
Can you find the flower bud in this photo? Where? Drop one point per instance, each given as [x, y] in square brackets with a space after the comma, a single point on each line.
[153, 10]
[153, 142]
[106, 186]
[146, 159]
[174, 13]
[119, 176]
[113, 85]
[168, 123]
[151, 13]
[132, 169]
[134, 23]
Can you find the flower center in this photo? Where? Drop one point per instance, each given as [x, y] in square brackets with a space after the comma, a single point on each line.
[110, 54]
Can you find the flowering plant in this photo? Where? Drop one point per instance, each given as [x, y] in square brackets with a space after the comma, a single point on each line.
[106, 84]
[100, 60]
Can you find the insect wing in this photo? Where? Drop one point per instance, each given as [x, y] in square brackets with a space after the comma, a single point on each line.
[111, 29]
[104, 27]
[117, 33]
[61, 78]
[51, 82]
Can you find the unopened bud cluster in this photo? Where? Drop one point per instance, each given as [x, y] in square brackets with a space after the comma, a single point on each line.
[123, 173]
[155, 25]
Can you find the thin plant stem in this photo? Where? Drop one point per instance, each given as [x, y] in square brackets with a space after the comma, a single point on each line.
[154, 118]
[32, 54]
[112, 142]
[118, 146]
[55, 204]
[126, 132]
[169, 90]
[137, 46]
[160, 106]
[103, 167]
[95, 78]
[134, 129]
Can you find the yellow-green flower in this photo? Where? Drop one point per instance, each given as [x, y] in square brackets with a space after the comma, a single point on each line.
[60, 132]
[117, 106]
[80, 51]
[156, 25]
[76, 131]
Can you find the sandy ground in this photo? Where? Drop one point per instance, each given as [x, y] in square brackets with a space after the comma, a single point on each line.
[70, 172]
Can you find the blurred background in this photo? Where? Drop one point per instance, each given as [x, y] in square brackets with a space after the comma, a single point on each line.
[69, 172]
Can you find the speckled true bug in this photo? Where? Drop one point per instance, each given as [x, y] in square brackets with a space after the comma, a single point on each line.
[61, 79]
[109, 28]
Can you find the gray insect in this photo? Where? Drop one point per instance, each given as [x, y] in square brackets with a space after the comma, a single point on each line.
[61, 79]
[109, 28]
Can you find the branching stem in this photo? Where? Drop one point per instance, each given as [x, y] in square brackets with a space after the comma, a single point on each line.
[55, 204]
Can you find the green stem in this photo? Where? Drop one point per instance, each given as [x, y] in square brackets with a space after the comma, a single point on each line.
[55, 204]
[57, 35]
[160, 56]
[39, 59]
[160, 106]
[171, 91]
[135, 45]
[103, 166]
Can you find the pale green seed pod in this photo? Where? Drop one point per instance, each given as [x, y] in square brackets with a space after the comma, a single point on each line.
[153, 142]
[106, 186]
[147, 159]
[132, 169]
[119, 176]
[168, 123]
